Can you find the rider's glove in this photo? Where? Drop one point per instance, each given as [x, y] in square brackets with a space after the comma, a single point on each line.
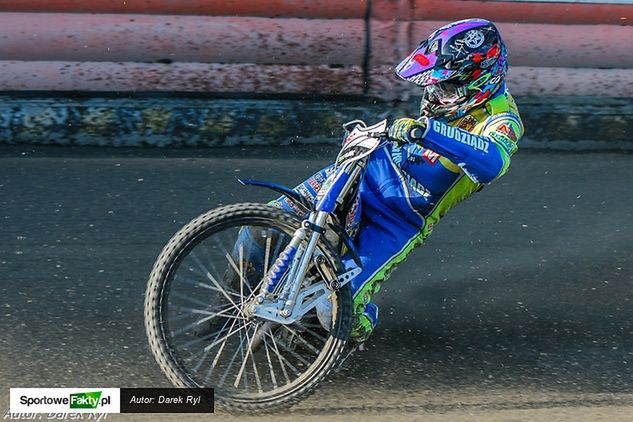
[404, 131]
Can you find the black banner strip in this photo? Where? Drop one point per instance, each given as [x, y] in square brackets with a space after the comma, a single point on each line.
[166, 400]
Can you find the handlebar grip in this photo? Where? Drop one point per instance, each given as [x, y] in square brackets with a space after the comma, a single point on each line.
[416, 133]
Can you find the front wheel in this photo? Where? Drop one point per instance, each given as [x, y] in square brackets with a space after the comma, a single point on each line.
[196, 322]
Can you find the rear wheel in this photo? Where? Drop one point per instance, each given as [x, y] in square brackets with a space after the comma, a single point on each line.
[195, 319]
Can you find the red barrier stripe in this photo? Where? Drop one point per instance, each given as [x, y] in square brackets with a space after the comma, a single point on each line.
[504, 11]
[345, 9]
[179, 77]
[148, 38]
[145, 38]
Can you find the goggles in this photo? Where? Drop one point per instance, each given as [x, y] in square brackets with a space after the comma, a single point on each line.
[447, 93]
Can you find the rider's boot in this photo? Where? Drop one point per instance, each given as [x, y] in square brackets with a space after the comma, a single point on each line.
[364, 323]
[362, 326]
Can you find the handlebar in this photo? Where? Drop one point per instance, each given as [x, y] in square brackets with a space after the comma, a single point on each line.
[378, 135]
[415, 134]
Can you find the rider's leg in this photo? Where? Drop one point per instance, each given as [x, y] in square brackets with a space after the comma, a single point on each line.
[381, 250]
[390, 228]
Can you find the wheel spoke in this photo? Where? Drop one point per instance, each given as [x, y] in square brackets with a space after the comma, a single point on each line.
[198, 340]
[244, 358]
[202, 269]
[203, 320]
[280, 242]
[302, 340]
[257, 288]
[232, 263]
[201, 284]
[230, 334]
[215, 270]
[205, 353]
[315, 335]
[270, 363]
[190, 299]
[282, 358]
[241, 270]
[243, 280]
[192, 311]
[214, 281]
[185, 312]
[269, 240]
[250, 351]
[288, 349]
[217, 356]
[230, 365]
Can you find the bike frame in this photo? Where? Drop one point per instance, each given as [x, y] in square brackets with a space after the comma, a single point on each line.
[288, 303]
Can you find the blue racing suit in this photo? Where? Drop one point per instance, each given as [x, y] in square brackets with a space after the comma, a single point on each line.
[406, 190]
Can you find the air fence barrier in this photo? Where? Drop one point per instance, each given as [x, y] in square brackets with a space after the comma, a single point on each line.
[159, 72]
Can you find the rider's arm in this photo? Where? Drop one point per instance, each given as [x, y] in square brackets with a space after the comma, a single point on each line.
[482, 157]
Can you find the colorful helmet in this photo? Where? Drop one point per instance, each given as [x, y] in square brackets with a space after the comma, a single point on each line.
[460, 66]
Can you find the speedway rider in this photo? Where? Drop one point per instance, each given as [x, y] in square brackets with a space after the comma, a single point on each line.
[467, 130]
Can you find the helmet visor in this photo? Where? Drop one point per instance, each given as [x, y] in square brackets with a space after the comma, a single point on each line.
[446, 93]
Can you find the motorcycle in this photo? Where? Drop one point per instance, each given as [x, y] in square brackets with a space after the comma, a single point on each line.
[254, 301]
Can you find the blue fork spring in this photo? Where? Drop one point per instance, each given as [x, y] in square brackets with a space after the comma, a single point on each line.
[279, 268]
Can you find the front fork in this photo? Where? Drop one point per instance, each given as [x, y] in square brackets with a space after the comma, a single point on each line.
[291, 290]
[294, 260]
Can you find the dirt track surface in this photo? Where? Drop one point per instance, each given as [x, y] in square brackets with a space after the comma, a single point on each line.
[518, 308]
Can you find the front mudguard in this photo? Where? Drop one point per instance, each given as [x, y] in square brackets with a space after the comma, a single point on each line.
[307, 206]
[302, 202]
